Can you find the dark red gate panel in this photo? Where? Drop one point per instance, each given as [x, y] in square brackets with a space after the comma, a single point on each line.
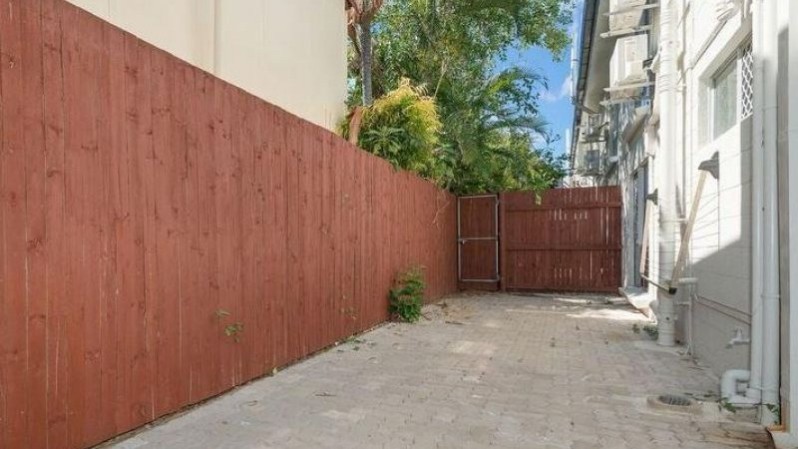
[570, 240]
[478, 250]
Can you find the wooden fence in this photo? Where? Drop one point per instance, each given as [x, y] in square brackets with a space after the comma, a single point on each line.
[165, 236]
[569, 241]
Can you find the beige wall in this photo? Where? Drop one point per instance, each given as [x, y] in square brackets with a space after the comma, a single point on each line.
[290, 53]
[720, 248]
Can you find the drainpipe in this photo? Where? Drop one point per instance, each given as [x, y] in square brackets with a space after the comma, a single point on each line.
[792, 89]
[754, 391]
[765, 329]
[666, 315]
[770, 232]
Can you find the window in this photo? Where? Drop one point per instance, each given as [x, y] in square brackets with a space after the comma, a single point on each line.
[724, 99]
[731, 93]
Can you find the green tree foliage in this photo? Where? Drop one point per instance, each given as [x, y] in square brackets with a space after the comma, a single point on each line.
[403, 127]
[492, 137]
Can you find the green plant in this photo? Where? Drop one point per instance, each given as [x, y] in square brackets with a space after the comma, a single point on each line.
[407, 297]
[775, 410]
[652, 331]
[493, 135]
[402, 127]
[724, 404]
[231, 330]
[234, 331]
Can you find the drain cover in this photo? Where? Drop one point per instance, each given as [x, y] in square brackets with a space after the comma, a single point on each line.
[675, 400]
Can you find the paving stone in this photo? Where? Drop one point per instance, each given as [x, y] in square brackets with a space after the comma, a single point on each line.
[517, 372]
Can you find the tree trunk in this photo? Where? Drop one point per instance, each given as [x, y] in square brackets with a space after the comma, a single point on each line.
[366, 62]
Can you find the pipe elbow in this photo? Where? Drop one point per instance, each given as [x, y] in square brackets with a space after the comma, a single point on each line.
[732, 383]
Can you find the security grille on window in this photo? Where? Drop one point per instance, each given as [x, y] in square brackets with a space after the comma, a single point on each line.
[747, 82]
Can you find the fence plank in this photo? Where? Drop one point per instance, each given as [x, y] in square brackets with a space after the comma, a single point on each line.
[12, 160]
[56, 431]
[36, 242]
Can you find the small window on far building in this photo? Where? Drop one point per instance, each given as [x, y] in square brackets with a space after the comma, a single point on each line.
[724, 99]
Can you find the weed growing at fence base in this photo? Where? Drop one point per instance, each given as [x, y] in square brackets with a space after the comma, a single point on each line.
[407, 297]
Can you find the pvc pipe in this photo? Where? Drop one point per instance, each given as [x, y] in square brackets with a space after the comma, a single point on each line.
[730, 388]
[792, 91]
[755, 385]
[690, 284]
[668, 165]
[770, 231]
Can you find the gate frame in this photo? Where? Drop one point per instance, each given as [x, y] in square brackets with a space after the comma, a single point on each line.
[496, 238]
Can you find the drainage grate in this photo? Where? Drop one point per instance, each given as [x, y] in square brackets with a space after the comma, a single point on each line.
[675, 400]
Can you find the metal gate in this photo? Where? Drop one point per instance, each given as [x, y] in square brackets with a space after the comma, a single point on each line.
[478, 242]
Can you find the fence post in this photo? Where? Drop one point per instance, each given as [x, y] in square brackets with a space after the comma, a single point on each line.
[500, 235]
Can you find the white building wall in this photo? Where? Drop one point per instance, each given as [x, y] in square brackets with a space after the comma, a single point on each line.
[720, 247]
[719, 252]
[290, 53]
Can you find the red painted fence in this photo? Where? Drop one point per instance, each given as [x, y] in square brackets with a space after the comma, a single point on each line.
[148, 208]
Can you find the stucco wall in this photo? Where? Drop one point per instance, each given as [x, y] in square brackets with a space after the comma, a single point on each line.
[721, 244]
[290, 53]
[721, 252]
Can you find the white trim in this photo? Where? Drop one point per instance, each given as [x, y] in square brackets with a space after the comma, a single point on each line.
[792, 182]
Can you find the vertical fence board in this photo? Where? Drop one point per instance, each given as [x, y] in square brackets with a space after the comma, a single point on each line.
[56, 430]
[77, 129]
[36, 360]
[180, 231]
[15, 300]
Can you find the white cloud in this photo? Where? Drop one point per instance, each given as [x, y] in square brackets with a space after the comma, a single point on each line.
[563, 92]
[565, 89]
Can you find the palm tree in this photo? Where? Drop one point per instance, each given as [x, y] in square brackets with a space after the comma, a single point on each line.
[361, 15]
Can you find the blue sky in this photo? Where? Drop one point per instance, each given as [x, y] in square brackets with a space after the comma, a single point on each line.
[555, 103]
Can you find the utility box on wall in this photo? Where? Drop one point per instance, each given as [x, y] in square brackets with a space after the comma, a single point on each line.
[626, 65]
[625, 14]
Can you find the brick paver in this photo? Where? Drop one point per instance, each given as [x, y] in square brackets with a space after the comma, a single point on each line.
[484, 371]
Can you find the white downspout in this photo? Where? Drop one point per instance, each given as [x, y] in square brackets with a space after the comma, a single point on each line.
[755, 385]
[666, 313]
[792, 90]
[770, 231]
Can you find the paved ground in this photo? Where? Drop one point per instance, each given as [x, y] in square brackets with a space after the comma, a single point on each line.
[480, 372]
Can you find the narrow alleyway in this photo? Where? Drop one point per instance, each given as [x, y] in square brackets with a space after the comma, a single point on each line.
[480, 371]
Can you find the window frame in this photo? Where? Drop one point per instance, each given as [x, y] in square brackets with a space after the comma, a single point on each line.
[736, 60]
